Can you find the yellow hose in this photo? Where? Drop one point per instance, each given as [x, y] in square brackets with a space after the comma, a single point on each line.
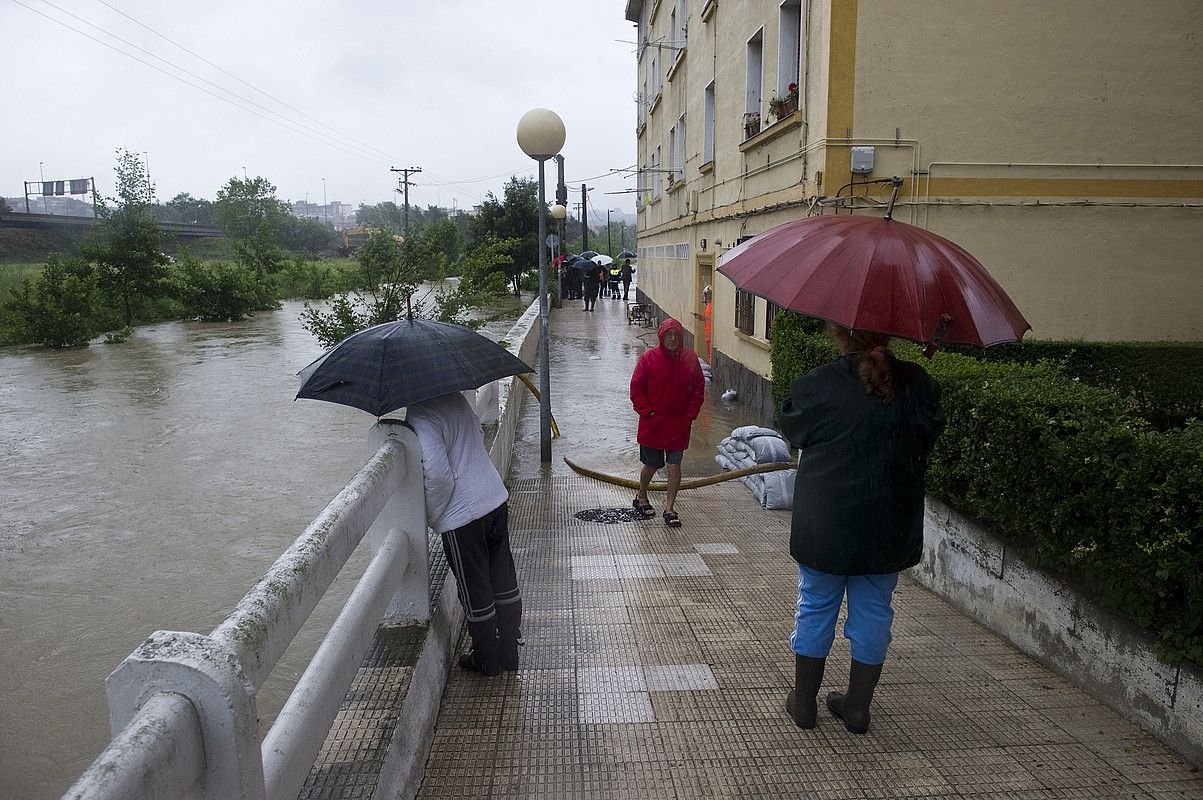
[693, 483]
[555, 429]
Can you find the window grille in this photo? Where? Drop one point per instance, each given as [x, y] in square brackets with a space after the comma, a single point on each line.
[745, 312]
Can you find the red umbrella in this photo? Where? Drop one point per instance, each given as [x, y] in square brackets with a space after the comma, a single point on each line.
[875, 274]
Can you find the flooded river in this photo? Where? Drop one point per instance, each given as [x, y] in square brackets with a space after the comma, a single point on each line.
[146, 486]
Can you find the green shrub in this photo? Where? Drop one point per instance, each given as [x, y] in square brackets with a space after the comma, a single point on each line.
[1088, 488]
[1162, 381]
[216, 291]
[57, 308]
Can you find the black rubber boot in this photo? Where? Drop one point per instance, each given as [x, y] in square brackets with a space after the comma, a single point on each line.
[801, 703]
[483, 656]
[509, 620]
[853, 706]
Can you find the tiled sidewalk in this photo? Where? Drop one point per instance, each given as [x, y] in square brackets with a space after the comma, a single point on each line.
[656, 661]
[656, 665]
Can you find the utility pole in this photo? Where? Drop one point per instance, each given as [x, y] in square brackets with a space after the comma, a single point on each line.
[405, 191]
[584, 218]
[562, 200]
[609, 238]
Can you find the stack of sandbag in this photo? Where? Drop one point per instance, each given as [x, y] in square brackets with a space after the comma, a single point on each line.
[751, 445]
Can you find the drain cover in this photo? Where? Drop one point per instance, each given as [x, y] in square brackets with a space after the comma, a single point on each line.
[607, 516]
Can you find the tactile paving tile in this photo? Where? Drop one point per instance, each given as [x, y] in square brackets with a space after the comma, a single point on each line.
[608, 707]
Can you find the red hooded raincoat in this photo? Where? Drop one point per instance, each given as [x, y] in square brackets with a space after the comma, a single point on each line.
[666, 391]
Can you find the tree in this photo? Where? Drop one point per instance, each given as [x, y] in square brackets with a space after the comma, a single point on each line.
[127, 246]
[514, 217]
[388, 278]
[185, 209]
[248, 212]
[310, 236]
[248, 208]
[381, 215]
[4, 206]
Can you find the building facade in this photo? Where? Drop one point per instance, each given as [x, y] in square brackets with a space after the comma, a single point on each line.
[1059, 142]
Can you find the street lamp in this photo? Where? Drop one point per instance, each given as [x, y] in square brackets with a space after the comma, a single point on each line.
[541, 135]
[42, 175]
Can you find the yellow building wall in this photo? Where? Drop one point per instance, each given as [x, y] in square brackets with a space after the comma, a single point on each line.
[1062, 144]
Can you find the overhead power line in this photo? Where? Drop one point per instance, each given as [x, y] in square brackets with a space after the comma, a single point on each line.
[283, 122]
[220, 69]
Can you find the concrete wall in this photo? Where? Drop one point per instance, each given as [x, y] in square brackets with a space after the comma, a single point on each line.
[1045, 618]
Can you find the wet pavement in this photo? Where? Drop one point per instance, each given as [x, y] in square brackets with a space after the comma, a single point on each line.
[656, 660]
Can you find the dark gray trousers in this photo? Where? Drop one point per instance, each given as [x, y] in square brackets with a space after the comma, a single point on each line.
[479, 555]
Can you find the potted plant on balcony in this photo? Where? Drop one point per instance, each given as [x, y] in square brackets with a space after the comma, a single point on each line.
[751, 124]
[782, 107]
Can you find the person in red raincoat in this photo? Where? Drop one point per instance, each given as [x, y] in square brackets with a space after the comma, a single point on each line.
[666, 390]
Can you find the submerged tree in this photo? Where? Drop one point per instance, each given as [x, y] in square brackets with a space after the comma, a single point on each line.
[127, 246]
[249, 213]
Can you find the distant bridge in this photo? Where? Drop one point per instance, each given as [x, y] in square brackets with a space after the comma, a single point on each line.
[10, 219]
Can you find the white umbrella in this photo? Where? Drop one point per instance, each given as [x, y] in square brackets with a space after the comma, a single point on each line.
[602, 261]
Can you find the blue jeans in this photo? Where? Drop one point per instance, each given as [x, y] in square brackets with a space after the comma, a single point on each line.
[870, 614]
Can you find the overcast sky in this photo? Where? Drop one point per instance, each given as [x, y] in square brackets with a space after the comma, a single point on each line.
[435, 84]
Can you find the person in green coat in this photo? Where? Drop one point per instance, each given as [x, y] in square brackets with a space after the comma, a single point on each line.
[865, 425]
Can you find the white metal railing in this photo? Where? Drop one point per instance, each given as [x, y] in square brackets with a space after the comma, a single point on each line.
[182, 705]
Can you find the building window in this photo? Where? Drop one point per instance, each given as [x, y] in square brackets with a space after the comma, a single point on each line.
[745, 312]
[681, 147]
[656, 172]
[672, 155]
[789, 46]
[708, 133]
[770, 313]
[755, 71]
[683, 22]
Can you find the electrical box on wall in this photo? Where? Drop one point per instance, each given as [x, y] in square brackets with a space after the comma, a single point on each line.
[862, 160]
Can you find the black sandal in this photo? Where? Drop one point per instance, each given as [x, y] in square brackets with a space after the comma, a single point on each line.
[671, 519]
[644, 508]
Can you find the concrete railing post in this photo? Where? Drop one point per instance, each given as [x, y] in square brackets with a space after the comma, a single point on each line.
[488, 403]
[405, 515]
[211, 678]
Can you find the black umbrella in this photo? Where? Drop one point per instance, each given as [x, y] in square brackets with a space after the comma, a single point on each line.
[590, 254]
[400, 363]
[576, 262]
[626, 254]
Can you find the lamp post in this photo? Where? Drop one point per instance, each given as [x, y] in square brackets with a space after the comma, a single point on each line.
[541, 135]
[42, 175]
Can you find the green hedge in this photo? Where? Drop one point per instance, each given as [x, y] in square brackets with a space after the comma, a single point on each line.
[1163, 381]
[1089, 489]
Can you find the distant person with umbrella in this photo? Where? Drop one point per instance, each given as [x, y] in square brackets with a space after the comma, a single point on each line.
[865, 426]
[594, 280]
[466, 504]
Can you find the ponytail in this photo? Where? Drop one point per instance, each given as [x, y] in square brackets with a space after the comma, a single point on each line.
[874, 359]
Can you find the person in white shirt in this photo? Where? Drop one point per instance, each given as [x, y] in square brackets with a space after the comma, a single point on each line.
[466, 505]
